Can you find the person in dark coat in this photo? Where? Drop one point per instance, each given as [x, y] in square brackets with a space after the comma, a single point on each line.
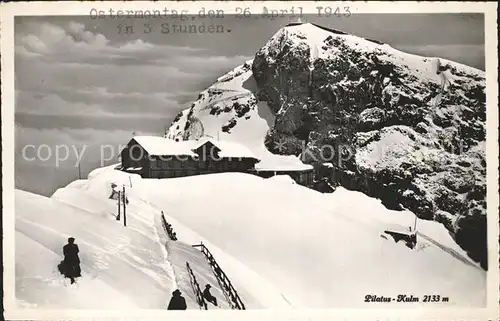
[71, 261]
[177, 302]
[208, 296]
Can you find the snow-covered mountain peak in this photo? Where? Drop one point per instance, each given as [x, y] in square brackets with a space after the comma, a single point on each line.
[326, 42]
[314, 35]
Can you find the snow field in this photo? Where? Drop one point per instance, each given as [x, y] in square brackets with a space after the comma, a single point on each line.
[121, 267]
[312, 246]
[282, 245]
[129, 267]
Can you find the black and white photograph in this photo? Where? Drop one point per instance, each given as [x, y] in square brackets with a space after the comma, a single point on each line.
[308, 157]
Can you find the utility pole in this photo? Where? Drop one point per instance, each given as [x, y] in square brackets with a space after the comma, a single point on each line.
[79, 170]
[124, 207]
[119, 205]
[415, 225]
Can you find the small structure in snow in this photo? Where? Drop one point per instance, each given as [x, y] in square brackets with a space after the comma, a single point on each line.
[303, 176]
[408, 237]
[294, 21]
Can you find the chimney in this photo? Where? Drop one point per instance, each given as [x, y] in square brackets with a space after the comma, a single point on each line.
[292, 21]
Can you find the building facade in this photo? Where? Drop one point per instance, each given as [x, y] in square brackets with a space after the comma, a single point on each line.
[158, 157]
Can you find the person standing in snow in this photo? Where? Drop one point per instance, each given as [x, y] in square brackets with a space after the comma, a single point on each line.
[177, 302]
[71, 260]
[208, 296]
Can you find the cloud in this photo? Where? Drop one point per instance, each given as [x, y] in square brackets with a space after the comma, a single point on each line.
[74, 43]
[49, 160]
[70, 69]
[212, 64]
[99, 101]
[78, 137]
[132, 78]
[48, 103]
[61, 148]
[74, 86]
[152, 123]
[50, 39]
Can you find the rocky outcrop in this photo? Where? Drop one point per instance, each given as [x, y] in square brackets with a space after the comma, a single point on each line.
[381, 118]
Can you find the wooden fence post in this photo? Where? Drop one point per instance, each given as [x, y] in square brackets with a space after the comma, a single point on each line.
[124, 207]
[196, 288]
[221, 277]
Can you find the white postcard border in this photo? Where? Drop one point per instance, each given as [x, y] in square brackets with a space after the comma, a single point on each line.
[9, 10]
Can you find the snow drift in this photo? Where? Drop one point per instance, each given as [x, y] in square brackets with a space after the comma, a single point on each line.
[282, 245]
[122, 267]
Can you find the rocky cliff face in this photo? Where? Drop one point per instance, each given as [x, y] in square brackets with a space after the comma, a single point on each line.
[382, 121]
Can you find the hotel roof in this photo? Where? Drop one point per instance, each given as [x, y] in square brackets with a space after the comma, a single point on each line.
[160, 146]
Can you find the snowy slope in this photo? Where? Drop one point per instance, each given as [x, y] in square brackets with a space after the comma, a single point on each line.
[320, 250]
[282, 245]
[122, 267]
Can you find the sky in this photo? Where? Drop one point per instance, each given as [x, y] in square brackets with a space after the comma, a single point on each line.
[84, 86]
